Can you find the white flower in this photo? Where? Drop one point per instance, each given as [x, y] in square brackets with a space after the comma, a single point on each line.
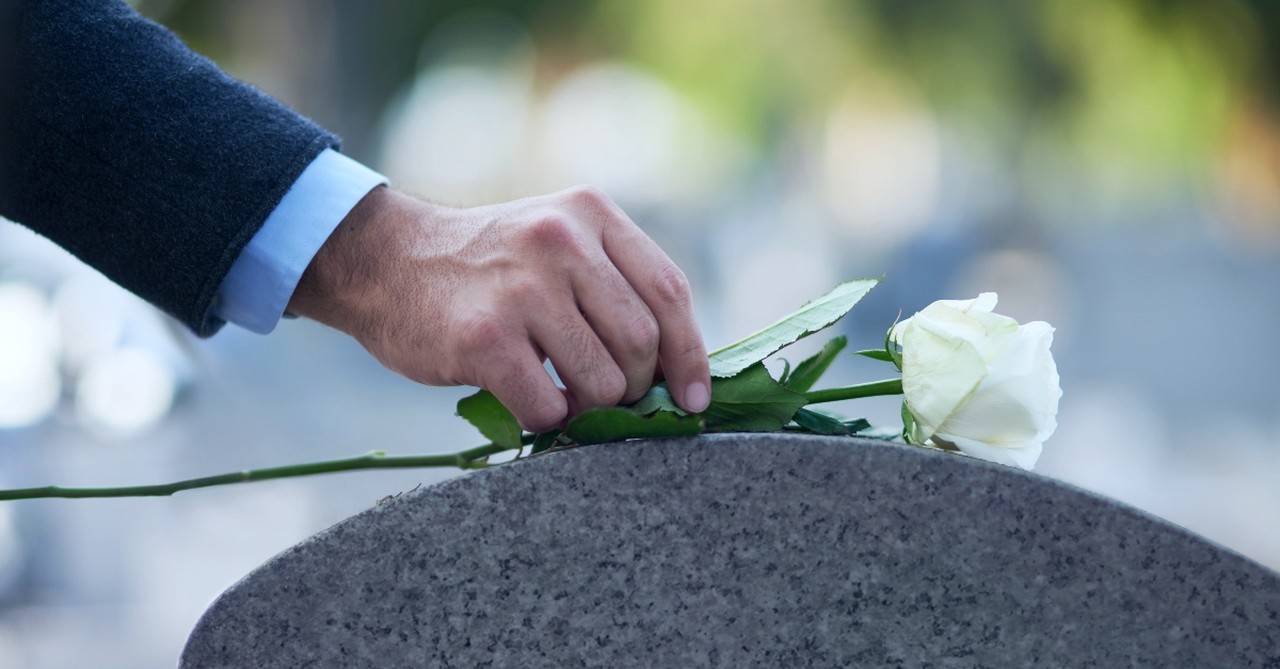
[978, 381]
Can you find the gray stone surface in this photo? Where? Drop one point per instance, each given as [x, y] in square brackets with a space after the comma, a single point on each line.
[742, 551]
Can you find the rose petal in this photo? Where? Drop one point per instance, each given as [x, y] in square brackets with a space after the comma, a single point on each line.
[1022, 455]
[939, 374]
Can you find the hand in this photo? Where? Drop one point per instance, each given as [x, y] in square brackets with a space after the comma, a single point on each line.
[484, 296]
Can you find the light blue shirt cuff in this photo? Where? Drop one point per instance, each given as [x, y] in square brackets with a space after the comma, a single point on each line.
[257, 289]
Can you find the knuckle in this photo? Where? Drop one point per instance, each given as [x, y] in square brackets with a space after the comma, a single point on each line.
[642, 336]
[597, 381]
[611, 386]
[551, 230]
[589, 196]
[688, 358]
[482, 334]
[537, 406]
[522, 290]
[672, 286]
[697, 352]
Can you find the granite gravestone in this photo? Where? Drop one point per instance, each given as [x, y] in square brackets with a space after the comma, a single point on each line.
[747, 550]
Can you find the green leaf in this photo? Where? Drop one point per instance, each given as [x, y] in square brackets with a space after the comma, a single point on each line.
[859, 425]
[494, 421]
[543, 441]
[808, 372]
[814, 316]
[786, 372]
[752, 402]
[657, 399]
[820, 423]
[891, 347]
[876, 354]
[597, 426]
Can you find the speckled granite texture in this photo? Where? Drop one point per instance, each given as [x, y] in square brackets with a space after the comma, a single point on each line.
[747, 551]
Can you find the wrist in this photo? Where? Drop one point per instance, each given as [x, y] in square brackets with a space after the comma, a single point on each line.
[337, 286]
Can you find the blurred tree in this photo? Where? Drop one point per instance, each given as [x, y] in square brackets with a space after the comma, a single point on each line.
[1150, 84]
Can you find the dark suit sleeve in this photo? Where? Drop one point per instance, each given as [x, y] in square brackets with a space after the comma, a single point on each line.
[135, 154]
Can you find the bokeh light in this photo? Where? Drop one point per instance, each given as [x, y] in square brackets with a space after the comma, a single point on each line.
[628, 133]
[460, 130]
[30, 385]
[92, 315]
[124, 391]
[882, 161]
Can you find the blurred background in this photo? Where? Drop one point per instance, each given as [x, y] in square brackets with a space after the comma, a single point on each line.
[1109, 166]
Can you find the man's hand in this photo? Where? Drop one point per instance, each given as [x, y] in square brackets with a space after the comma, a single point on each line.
[483, 296]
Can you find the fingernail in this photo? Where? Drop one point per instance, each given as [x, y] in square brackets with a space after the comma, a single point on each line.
[696, 397]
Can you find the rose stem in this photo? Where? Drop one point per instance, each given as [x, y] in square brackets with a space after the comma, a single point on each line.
[872, 389]
[468, 459]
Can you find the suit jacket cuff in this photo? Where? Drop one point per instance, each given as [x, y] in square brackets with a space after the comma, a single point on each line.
[257, 289]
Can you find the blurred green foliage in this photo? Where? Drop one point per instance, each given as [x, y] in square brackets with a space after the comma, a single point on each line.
[1146, 82]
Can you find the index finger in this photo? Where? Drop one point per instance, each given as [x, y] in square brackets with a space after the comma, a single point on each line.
[665, 289]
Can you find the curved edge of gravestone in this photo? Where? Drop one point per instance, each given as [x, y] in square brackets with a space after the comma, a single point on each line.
[738, 549]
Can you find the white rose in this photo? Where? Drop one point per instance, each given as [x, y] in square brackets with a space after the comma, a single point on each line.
[978, 381]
